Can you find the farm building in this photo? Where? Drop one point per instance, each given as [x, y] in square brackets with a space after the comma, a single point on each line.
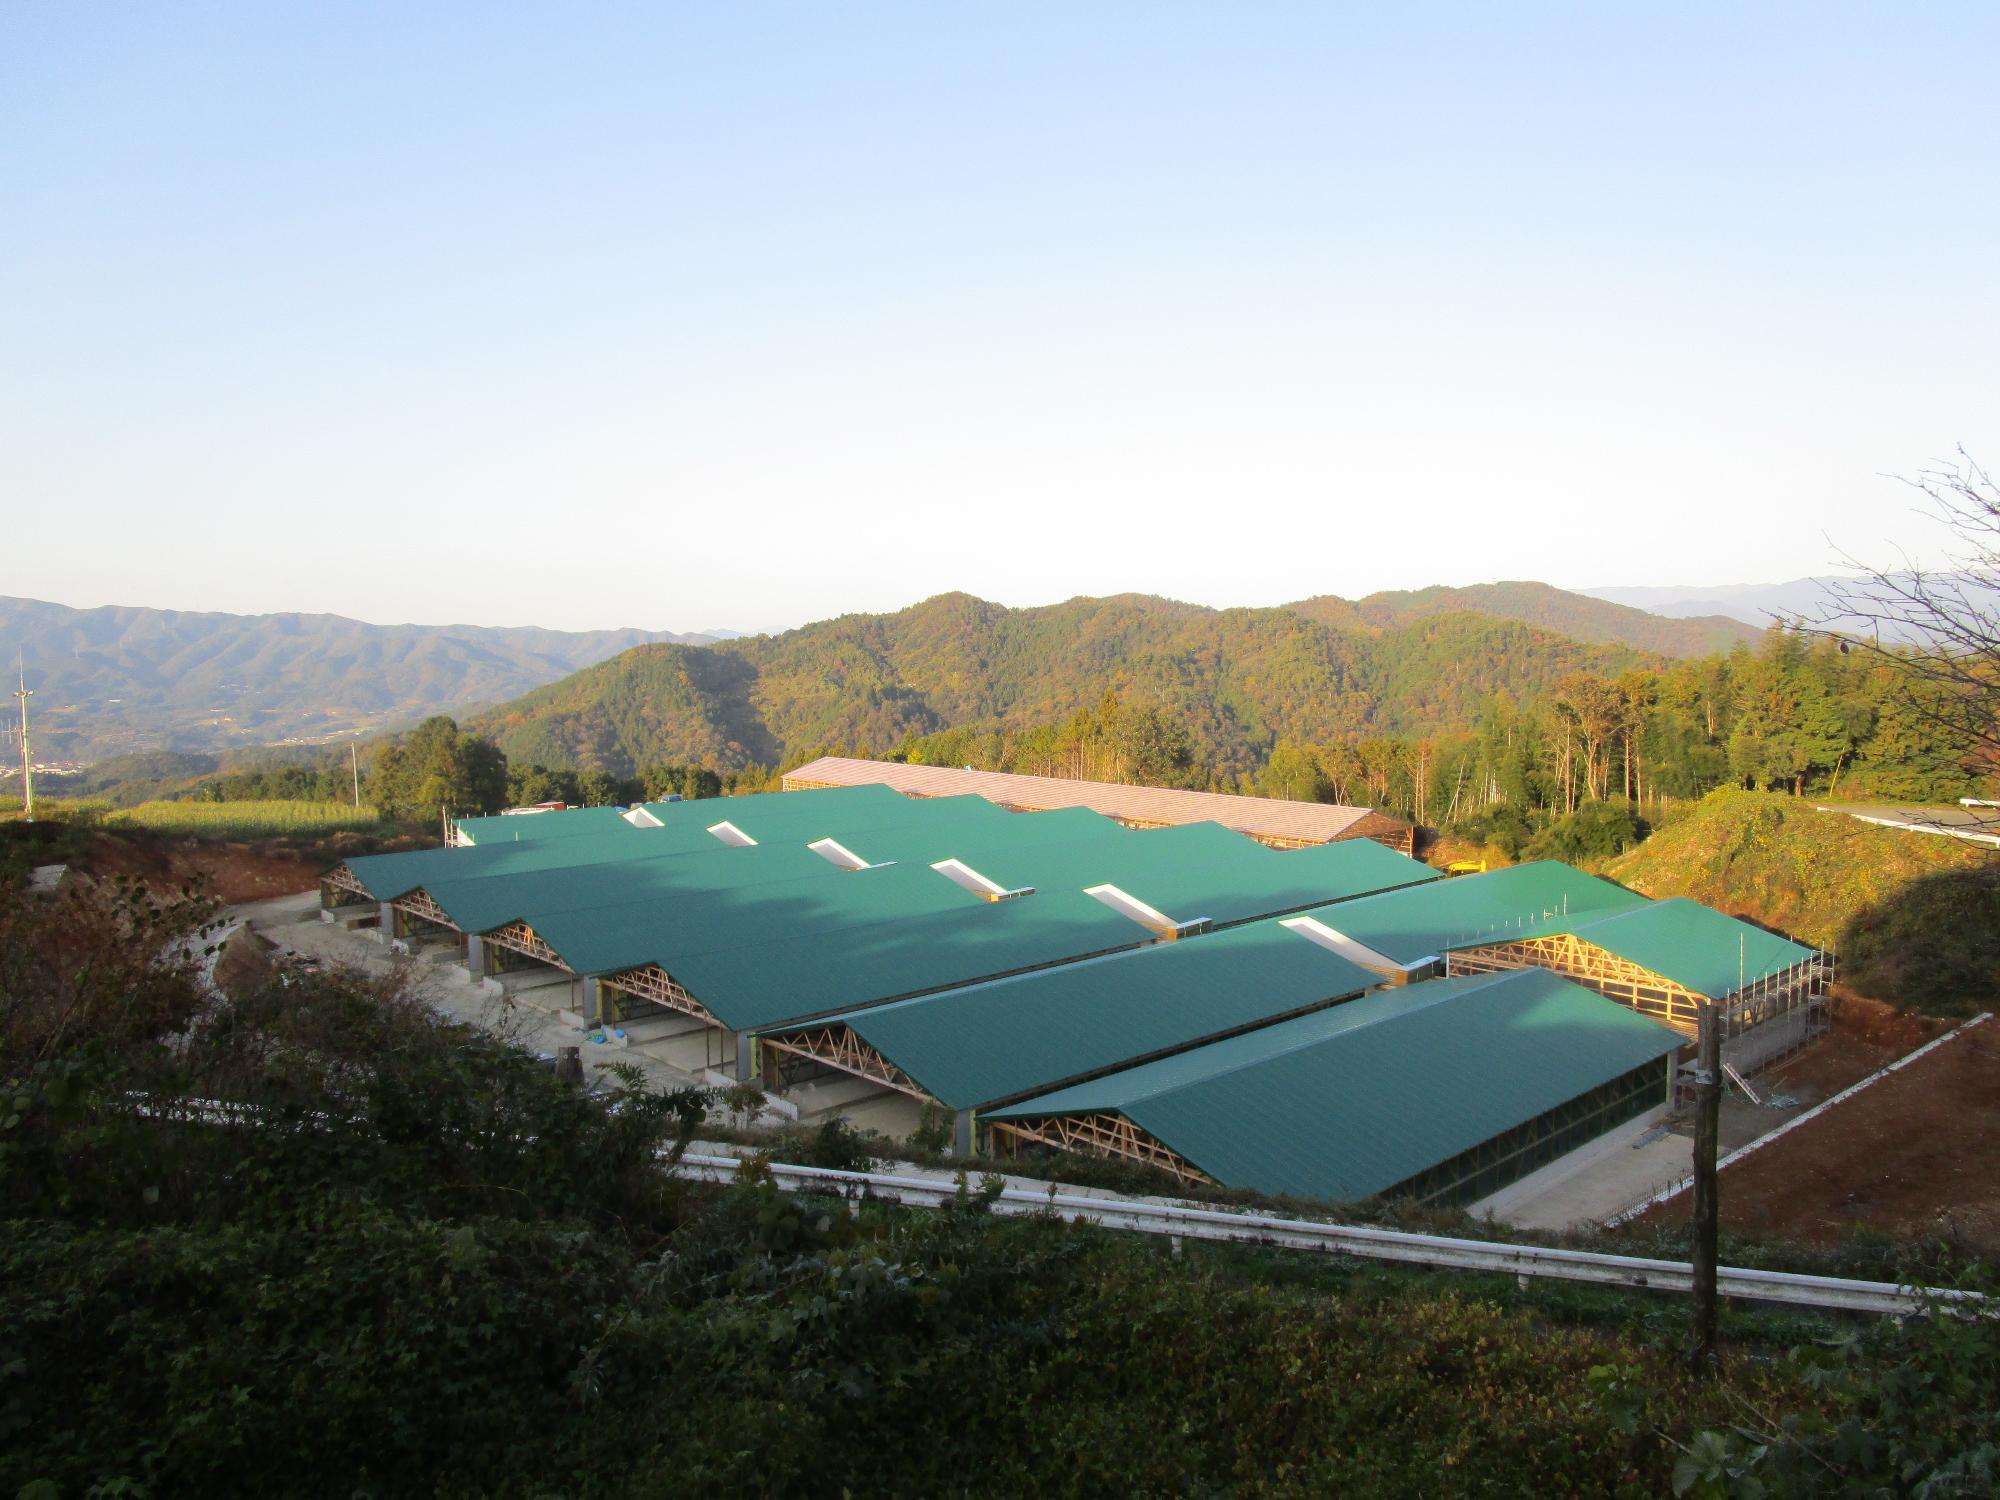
[968, 1048]
[1050, 973]
[1665, 959]
[837, 901]
[1268, 820]
[1444, 1091]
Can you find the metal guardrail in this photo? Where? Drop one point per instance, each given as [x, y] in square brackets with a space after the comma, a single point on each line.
[1177, 1222]
[1828, 1293]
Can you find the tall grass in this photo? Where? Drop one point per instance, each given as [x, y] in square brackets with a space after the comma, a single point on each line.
[247, 820]
[57, 809]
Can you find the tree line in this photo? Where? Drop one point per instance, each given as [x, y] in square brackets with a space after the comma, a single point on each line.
[439, 765]
[1796, 714]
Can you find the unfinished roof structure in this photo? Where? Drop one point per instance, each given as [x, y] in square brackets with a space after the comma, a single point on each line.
[1666, 959]
[981, 1044]
[1286, 825]
[1443, 1091]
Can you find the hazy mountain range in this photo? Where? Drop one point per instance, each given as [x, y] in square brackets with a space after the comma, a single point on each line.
[1752, 603]
[118, 680]
[115, 680]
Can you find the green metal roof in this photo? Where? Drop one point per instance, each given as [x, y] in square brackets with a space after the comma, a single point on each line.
[521, 828]
[970, 1046]
[1349, 1102]
[1413, 925]
[751, 987]
[1195, 870]
[1691, 944]
[790, 950]
[676, 876]
[771, 817]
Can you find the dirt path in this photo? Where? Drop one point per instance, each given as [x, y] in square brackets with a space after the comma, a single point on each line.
[1913, 1154]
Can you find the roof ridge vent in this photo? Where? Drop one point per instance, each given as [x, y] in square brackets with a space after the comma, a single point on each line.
[1315, 931]
[962, 875]
[1146, 915]
[836, 853]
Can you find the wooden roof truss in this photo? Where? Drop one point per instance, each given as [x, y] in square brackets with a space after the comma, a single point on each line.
[418, 903]
[655, 984]
[1100, 1135]
[838, 1047]
[1651, 994]
[343, 879]
[519, 937]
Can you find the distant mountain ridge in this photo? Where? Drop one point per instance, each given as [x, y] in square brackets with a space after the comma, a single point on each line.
[116, 680]
[129, 680]
[1580, 617]
[1238, 678]
[1752, 603]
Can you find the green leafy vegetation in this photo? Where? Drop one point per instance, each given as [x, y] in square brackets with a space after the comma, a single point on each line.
[1435, 716]
[1234, 680]
[247, 820]
[425, 1265]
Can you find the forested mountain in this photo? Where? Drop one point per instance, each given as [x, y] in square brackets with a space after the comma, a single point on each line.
[120, 680]
[1238, 679]
[1578, 616]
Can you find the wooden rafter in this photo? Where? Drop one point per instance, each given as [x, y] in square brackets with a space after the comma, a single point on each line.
[1645, 991]
[655, 984]
[521, 938]
[343, 879]
[838, 1047]
[1100, 1135]
[418, 903]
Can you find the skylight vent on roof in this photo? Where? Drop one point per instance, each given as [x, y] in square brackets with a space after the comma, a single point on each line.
[1316, 931]
[638, 817]
[836, 853]
[731, 835]
[966, 878]
[1149, 917]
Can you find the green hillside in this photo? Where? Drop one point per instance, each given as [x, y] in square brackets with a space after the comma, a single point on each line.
[1239, 679]
[1914, 919]
[1552, 609]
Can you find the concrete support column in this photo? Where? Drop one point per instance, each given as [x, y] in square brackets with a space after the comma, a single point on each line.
[961, 1133]
[746, 1057]
[475, 956]
[591, 1007]
[385, 922]
[325, 896]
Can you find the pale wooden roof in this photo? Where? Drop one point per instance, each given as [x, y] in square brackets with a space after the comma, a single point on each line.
[1260, 817]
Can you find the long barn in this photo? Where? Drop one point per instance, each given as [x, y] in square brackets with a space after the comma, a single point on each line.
[1063, 979]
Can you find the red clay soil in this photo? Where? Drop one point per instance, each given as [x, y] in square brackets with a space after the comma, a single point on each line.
[229, 872]
[1914, 1155]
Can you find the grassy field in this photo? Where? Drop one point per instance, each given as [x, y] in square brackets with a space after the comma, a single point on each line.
[210, 820]
[248, 820]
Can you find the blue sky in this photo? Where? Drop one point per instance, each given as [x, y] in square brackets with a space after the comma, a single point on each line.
[680, 316]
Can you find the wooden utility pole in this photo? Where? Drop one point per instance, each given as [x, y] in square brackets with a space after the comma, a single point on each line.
[354, 765]
[1707, 1122]
[27, 760]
